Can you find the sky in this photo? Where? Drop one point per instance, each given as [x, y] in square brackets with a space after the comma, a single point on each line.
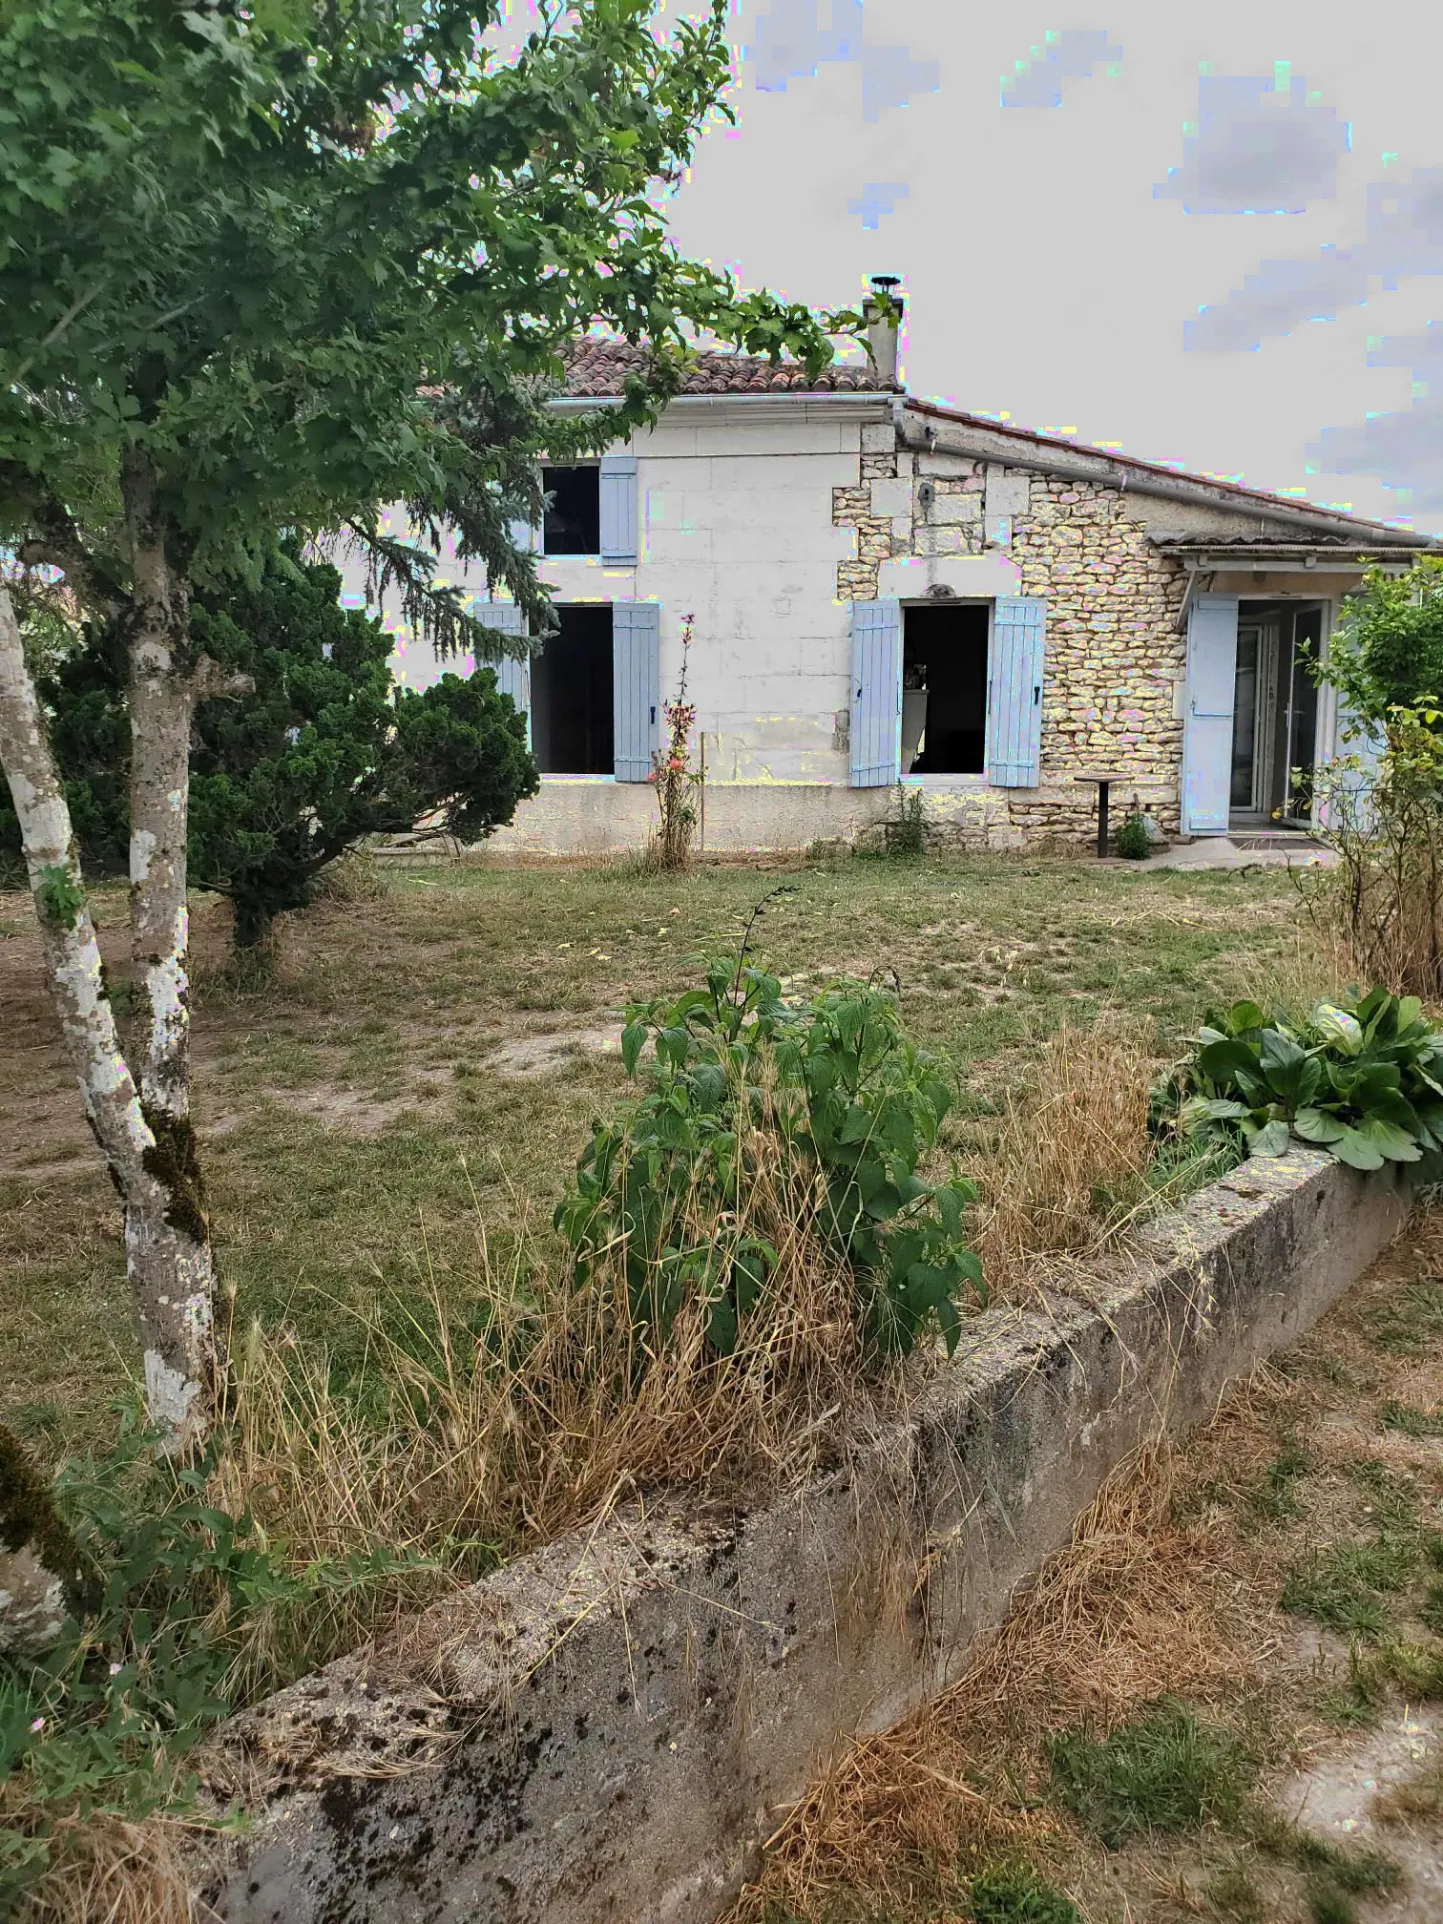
[1207, 236]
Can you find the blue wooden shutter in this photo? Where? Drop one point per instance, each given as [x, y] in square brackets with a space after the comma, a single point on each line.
[876, 693]
[636, 685]
[1014, 691]
[1355, 739]
[1207, 741]
[618, 507]
[513, 673]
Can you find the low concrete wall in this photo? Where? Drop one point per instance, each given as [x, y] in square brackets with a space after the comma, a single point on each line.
[608, 1729]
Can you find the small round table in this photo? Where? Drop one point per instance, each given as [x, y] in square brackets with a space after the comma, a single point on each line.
[1103, 781]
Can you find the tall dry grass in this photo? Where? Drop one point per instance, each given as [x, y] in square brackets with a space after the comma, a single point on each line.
[1070, 1162]
[105, 1870]
[543, 1407]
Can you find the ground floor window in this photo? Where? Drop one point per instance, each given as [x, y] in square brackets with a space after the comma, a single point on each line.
[1275, 711]
[572, 709]
[944, 689]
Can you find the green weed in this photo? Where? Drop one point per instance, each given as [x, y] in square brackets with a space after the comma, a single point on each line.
[1165, 1770]
[1276, 1498]
[1342, 1587]
[1409, 1421]
[1016, 1895]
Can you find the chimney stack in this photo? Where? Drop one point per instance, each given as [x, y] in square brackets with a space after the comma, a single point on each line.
[882, 325]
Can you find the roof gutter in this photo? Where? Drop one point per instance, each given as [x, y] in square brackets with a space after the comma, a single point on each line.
[871, 400]
[1017, 449]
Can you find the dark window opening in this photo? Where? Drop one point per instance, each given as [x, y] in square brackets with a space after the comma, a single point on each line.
[571, 696]
[944, 690]
[573, 521]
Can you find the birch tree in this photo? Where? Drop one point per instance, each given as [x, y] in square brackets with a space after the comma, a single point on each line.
[264, 269]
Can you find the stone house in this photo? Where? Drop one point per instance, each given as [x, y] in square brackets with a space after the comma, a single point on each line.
[887, 590]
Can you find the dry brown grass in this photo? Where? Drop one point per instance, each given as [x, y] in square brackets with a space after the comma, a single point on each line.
[1139, 1605]
[1169, 1585]
[544, 1408]
[107, 1871]
[1070, 1157]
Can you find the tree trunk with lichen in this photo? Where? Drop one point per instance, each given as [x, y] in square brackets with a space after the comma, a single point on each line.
[167, 1236]
[43, 1578]
[144, 1131]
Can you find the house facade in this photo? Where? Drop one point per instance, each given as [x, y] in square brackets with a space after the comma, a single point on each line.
[884, 590]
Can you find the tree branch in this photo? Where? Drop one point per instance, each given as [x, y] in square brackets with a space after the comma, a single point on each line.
[57, 543]
[210, 682]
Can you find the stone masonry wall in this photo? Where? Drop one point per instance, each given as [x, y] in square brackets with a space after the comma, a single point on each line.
[1114, 664]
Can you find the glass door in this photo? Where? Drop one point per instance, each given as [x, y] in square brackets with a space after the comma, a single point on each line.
[1297, 666]
[1254, 709]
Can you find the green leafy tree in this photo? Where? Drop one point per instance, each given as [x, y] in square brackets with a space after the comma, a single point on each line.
[1387, 652]
[279, 265]
[321, 754]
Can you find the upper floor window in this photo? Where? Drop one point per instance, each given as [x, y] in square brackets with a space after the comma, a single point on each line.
[573, 518]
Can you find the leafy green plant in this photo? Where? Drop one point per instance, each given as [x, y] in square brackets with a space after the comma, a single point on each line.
[1164, 1770]
[1132, 841]
[830, 1102]
[1364, 1081]
[100, 1725]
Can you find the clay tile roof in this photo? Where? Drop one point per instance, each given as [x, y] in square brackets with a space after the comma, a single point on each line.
[596, 368]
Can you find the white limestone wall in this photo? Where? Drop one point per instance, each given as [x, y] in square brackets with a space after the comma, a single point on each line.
[735, 527]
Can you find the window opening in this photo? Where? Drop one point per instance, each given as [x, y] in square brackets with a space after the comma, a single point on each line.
[572, 523]
[944, 690]
[572, 719]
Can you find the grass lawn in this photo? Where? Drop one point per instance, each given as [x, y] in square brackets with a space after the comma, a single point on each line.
[425, 1065]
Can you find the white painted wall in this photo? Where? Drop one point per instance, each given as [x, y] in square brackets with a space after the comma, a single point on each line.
[735, 527]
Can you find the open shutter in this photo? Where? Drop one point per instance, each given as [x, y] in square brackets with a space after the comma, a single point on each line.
[1356, 740]
[1207, 741]
[618, 507]
[513, 673]
[1014, 691]
[636, 684]
[876, 693]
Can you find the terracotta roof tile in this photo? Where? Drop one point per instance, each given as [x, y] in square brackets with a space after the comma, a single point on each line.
[597, 368]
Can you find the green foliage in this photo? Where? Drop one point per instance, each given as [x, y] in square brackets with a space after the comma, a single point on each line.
[282, 266]
[286, 779]
[831, 1103]
[59, 896]
[103, 1722]
[1165, 1770]
[1014, 1894]
[1132, 842]
[1381, 815]
[1387, 651]
[1363, 1080]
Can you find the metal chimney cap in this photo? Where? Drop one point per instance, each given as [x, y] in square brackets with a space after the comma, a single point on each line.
[886, 280]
